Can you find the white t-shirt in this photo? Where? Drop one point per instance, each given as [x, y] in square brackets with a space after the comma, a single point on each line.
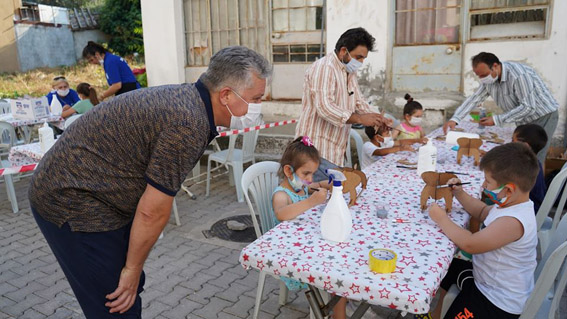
[367, 150]
[506, 275]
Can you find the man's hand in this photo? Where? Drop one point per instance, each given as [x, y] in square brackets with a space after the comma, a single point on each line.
[124, 296]
[373, 119]
[449, 125]
[487, 121]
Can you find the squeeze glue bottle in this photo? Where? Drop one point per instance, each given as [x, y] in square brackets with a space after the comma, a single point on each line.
[55, 107]
[336, 220]
[46, 139]
[427, 158]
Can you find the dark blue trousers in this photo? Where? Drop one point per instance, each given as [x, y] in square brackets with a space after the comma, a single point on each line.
[92, 263]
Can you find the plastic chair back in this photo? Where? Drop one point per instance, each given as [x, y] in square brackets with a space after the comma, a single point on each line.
[553, 192]
[71, 119]
[542, 304]
[249, 140]
[7, 139]
[258, 183]
[558, 238]
[5, 107]
[358, 141]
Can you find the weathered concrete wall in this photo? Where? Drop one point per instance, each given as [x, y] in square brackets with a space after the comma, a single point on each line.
[164, 44]
[8, 49]
[81, 38]
[41, 45]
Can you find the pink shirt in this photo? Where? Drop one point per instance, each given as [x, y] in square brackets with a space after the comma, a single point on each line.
[327, 105]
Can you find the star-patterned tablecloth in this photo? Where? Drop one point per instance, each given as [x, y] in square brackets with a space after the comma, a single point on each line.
[296, 249]
[55, 119]
[25, 154]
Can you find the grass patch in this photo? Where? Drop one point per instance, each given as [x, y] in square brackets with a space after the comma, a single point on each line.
[37, 82]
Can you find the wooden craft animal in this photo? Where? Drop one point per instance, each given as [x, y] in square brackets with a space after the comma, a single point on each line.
[432, 180]
[354, 178]
[469, 147]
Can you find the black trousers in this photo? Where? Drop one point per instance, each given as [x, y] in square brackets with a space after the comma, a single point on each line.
[127, 87]
[92, 263]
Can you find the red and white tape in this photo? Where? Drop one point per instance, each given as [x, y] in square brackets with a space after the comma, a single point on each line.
[17, 169]
[254, 128]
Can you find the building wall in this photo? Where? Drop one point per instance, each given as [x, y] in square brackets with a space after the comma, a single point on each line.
[8, 48]
[41, 45]
[164, 43]
[82, 37]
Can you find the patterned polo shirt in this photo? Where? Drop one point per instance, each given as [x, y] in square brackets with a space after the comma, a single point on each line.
[96, 173]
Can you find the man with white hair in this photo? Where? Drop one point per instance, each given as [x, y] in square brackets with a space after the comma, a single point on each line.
[103, 193]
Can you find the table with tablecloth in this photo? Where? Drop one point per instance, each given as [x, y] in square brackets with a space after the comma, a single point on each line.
[25, 154]
[296, 249]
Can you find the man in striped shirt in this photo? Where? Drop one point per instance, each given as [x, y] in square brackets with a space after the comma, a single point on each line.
[332, 100]
[517, 89]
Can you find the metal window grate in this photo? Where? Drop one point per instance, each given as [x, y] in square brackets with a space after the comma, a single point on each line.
[296, 53]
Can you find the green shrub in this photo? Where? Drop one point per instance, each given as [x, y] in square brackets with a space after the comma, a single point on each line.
[122, 20]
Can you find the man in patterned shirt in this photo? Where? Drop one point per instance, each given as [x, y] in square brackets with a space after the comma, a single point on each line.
[103, 193]
[332, 100]
[517, 89]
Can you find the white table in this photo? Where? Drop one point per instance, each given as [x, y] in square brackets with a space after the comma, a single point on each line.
[296, 249]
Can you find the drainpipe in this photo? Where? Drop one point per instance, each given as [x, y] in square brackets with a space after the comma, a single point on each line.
[323, 18]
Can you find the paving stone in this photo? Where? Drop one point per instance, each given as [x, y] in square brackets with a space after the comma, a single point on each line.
[33, 314]
[21, 281]
[243, 307]
[176, 296]
[17, 309]
[22, 293]
[204, 294]
[54, 303]
[154, 309]
[291, 314]
[183, 309]
[213, 308]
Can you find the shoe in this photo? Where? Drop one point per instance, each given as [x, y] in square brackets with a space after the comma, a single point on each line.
[422, 316]
[357, 126]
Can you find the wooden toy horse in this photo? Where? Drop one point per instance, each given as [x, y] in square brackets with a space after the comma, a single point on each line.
[354, 178]
[469, 147]
[432, 180]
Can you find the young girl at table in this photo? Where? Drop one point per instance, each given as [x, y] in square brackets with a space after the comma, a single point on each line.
[500, 278]
[381, 143]
[292, 197]
[409, 128]
[88, 97]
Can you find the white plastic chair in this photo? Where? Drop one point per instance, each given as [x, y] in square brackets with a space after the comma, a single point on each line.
[234, 159]
[5, 107]
[545, 224]
[544, 299]
[258, 183]
[71, 119]
[7, 140]
[358, 140]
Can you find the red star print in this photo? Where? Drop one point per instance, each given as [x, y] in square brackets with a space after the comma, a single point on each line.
[327, 285]
[421, 278]
[283, 262]
[296, 244]
[361, 262]
[311, 279]
[281, 246]
[276, 272]
[307, 249]
[260, 265]
[361, 242]
[357, 227]
[358, 249]
[367, 289]
[412, 299]
[392, 306]
[326, 247]
[245, 257]
[264, 244]
[423, 243]
[306, 267]
[343, 245]
[407, 260]
[433, 269]
[300, 229]
[403, 288]
[355, 289]
[384, 293]
[327, 264]
[326, 270]
[402, 245]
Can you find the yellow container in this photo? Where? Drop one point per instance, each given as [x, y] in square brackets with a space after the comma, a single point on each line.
[382, 260]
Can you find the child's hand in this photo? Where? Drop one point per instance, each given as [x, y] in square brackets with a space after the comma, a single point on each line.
[319, 197]
[455, 188]
[437, 213]
[423, 140]
[406, 148]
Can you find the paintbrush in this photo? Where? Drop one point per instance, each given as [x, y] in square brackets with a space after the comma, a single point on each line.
[408, 167]
[451, 185]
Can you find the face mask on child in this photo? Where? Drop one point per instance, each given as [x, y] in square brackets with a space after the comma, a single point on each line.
[388, 142]
[415, 121]
[493, 196]
[297, 183]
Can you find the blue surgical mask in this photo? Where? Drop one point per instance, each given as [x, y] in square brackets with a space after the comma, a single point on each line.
[493, 196]
[353, 65]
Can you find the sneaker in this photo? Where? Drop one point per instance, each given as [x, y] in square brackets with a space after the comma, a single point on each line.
[422, 316]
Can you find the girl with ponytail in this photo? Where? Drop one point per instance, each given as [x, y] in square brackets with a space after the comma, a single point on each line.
[88, 97]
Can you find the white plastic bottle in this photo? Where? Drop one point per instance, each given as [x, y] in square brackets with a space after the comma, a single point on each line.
[336, 220]
[46, 139]
[55, 108]
[427, 158]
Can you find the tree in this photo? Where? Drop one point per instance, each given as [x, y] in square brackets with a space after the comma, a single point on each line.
[122, 20]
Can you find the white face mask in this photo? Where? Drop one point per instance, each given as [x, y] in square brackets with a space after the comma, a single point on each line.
[388, 142]
[415, 121]
[251, 118]
[63, 92]
[488, 79]
[101, 62]
[353, 65]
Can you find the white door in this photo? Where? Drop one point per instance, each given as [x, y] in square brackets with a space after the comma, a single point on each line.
[427, 48]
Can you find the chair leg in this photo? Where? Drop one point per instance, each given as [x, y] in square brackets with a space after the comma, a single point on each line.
[197, 171]
[208, 177]
[231, 175]
[11, 192]
[259, 292]
[283, 294]
[237, 176]
[176, 213]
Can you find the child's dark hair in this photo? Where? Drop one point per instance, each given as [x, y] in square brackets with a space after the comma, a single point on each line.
[87, 90]
[92, 48]
[372, 131]
[411, 106]
[512, 163]
[296, 154]
[533, 134]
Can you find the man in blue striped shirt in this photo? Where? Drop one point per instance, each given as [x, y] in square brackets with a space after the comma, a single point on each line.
[517, 89]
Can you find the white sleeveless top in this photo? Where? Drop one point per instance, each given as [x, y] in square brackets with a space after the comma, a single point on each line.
[506, 275]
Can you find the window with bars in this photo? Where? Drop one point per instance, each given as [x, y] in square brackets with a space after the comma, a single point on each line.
[211, 25]
[296, 30]
[427, 22]
[493, 19]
